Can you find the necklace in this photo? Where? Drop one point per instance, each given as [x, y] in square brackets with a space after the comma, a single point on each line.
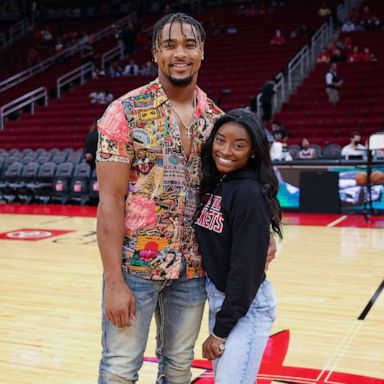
[188, 127]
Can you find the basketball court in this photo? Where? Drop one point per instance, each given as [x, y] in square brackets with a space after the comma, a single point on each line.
[328, 277]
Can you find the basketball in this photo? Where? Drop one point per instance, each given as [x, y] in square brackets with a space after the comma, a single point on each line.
[377, 178]
[361, 178]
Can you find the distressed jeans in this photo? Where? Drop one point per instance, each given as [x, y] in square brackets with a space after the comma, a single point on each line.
[245, 344]
[178, 306]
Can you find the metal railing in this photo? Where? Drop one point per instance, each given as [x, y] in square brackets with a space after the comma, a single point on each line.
[115, 53]
[78, 73]
[32, 71]
[18, 30]
[320, 39]
[23, 101]
[298, 66]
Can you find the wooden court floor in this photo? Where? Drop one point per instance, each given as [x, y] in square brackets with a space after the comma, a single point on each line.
[328, 278]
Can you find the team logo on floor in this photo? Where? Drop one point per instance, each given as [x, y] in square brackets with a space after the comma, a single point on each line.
[273, 371]
[32, 234]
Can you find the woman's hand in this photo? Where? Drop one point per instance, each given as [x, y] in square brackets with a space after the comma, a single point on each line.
[213, 348]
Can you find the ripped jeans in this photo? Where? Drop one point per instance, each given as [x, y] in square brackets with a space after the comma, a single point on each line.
[178, 306]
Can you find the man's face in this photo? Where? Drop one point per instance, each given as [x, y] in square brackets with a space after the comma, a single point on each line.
[178, 54]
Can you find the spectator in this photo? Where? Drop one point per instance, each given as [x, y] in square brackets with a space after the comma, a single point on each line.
[324, 56]
[101, 96]
[278, 39]
[279, 152]
[279, 133]
[148, 69]
[368, 56]
[266, 99]
[354, 149]
[90, 145]
[338, 56]
[324, 10]
[333, 84]
[348, 26]
[114, 70]
[131, 69]
[33, 57]
[306, 152]
[355, 56]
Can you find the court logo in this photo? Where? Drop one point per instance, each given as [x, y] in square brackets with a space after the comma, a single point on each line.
[32, 234]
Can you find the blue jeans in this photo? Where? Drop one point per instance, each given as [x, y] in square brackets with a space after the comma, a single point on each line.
[178, 306]
[245, 344]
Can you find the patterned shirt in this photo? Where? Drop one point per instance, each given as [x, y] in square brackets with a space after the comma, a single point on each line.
[140, 129]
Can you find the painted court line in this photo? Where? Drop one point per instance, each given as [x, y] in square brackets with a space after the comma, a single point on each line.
[337, 221]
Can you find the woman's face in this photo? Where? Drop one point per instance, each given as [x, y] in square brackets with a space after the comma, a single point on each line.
[232, 148]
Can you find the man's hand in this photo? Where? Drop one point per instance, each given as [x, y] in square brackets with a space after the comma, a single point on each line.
[271, 251]
[120, 305]
[212, 348]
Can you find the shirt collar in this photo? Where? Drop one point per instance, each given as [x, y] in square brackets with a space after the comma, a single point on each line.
[161, 97]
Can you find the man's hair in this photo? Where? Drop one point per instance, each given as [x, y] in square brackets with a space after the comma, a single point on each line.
[355, 133]
[197, 28]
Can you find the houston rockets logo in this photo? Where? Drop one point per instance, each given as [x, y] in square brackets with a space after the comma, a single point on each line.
[272, 369]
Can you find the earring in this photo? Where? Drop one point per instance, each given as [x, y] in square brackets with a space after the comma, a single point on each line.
[252, 156]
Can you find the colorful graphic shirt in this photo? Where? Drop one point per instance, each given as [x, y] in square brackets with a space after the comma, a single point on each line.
[140, 129]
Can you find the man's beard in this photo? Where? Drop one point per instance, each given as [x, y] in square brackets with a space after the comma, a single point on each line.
[180, 83]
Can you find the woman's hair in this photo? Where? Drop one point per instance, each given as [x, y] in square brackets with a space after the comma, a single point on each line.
[261, 163]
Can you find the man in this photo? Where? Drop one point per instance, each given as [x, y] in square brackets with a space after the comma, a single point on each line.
[149, 141]
[266, 99]
[333, 84]
[354, 150]
[279, 133]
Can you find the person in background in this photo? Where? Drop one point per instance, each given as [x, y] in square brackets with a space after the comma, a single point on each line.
[333, 84]
[354, 148]
[306, 152]
[233, 233]
[90, 145]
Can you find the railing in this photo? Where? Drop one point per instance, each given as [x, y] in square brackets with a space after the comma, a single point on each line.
[18, 30]
[78, 73]
[298, 66]
[32, 71]
[112, 54]
[23, 101]
[320, 39]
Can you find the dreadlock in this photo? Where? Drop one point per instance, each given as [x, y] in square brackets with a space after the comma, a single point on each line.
[197, 28]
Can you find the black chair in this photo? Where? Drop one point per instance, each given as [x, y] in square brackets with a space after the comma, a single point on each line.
[3, 152]
[75, 157]
[332, 152]
[59, 158]
[61, 183]
[94, 187]
[14, 152]
[79, 190]
[27, 151]
[11, 175]
[3, 161]
[317, 148]
[294, 150]
[28, 175]
[42, 186]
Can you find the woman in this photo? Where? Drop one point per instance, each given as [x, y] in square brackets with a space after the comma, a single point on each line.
[307, 152]
[238, 209]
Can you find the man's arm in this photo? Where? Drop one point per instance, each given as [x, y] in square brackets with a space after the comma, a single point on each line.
[120, 304]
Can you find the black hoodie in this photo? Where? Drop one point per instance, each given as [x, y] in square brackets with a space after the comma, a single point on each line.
[233, 234]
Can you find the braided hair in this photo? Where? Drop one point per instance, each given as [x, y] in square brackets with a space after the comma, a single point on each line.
[182, 18]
